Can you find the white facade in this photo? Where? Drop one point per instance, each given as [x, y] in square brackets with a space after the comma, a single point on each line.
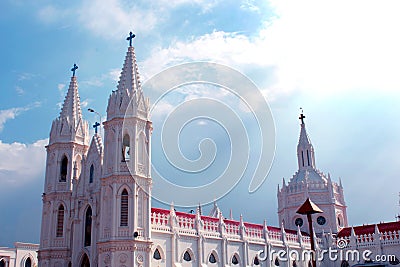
[97, 198]
[23, 254]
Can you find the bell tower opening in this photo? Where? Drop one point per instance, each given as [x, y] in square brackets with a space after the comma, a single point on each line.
[64, 169]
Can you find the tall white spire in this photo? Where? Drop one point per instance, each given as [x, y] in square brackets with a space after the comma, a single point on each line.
[70, 126]
[129, 95]
[305, 150]
[72, 108]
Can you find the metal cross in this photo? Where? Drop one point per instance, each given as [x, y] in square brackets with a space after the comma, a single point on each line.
[74, 69]
[131, 36]
[302, 117]
[95, 125]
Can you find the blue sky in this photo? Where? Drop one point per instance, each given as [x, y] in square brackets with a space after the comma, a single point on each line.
[337, 60]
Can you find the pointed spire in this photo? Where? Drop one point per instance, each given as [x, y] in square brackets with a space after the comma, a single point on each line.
[305, 150]
[215, 210]
[130, 78]
[69, 126]
[230, 214]
[72, 107]
[172, 209]
[352, 233]
[376, 229]
[128, 98]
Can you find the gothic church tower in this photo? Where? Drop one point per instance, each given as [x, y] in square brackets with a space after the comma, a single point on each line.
[309, 182]
[125, 231]
[67, 147]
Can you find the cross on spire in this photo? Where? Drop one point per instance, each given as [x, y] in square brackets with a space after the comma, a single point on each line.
[95, 125]
[302, 117]
[130, 37]
[74, 69]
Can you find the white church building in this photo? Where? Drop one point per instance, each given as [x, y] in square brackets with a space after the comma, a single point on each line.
[97, 208]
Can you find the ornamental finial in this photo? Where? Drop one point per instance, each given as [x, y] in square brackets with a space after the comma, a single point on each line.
[302, 117]
[74, 69]
[130, 37]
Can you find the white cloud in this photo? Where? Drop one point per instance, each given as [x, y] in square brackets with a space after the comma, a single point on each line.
[110, 19]
[312, 46]
[85, 103]
[14, 170]
[114, 74]
[9, 114]
[250, 5]
[20, 91]
[50, 14]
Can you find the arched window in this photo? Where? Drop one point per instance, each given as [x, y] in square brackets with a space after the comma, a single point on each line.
[69, 264]
[85, 261]
[60, 221]
[256, 261]
[88, 227]
[212, 258]
[294, 264]
[157, 255]
[124, 208]
[344, 264]
[308, 158]
[64, 169]
[2, 263]
[28, 262]
[91, 173]
[187, 256]
[309, 264]
[276, 261]
[126, 148]
[235, 260]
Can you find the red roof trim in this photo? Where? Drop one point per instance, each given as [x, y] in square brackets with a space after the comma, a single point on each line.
[370, 229]
[226, 221]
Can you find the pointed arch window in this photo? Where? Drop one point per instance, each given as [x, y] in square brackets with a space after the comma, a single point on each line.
[235, 260]
[157, 255]
[276, 261]
[308, 158]
[2, 263]
[60, 221]
[28, 262]
[124, 208]
[302, 157]
[256, 261]
[91, 173]
[344, 264]
[64, 169]
[212, 258]
[294, 264]
[187, 256]
[85, 261]
[88, 227]
[126, 148]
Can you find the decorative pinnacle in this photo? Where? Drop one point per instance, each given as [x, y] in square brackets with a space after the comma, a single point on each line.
[130, 37]
[74, 68]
